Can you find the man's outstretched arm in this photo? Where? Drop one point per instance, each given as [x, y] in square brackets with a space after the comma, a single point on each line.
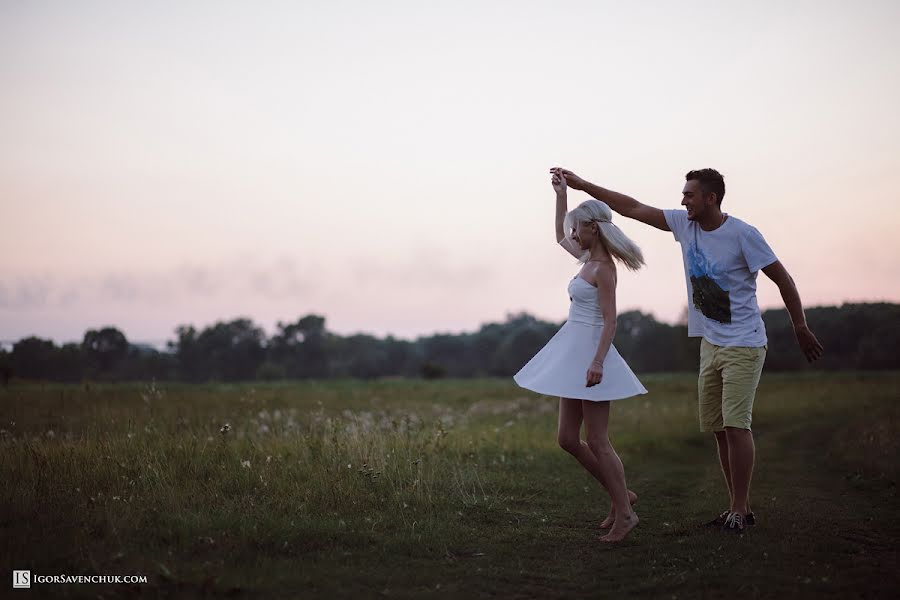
[622, 204]
[811, 347]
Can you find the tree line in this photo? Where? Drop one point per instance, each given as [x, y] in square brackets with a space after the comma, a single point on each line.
[855, 336]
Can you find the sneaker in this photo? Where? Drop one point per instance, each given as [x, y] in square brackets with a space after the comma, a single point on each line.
[720, 520]
[734, 523]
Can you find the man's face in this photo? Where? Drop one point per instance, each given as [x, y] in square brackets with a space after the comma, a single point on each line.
[692, 199]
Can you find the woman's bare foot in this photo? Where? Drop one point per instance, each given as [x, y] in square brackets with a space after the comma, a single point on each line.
[621, 528]
[611, 517]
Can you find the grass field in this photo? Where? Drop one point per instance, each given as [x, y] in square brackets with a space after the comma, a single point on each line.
[450, 488]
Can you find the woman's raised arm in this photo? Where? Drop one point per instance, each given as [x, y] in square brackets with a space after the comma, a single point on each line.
[559, 186]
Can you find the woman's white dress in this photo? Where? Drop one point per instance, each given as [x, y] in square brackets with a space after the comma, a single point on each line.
[560, 367]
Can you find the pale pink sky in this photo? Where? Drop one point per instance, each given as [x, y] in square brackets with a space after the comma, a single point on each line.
[385, 164]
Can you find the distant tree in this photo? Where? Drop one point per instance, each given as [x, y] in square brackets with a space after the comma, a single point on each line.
[855, 336]
[650, 346]
[34, 358]
[449, 352]
[360, 355]
[270, 371]
[401, 357]
[6, 370]
[71, 364]
[524, 337]
[430, 370]
[232, 350]
[188, 355]
[145, 363]
[104, 348]
[226, 351]
[301, 348]
[485, 347]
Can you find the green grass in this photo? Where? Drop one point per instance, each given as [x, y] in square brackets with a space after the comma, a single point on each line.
[449, 488]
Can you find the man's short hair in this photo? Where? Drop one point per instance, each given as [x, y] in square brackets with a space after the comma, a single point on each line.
[710, 181]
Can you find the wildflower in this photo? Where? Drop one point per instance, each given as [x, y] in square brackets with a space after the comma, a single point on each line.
[263, 429]
[224, 428]
[245, 464]
[51, 434]
[269, 459]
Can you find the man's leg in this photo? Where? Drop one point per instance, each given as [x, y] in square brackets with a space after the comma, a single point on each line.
[725, 461]
[709, 389]
[741, 454]
[742, 368]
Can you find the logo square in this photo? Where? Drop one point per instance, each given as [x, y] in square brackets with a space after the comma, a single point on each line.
[21, 579]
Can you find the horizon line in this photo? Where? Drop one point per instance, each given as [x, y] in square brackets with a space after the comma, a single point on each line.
[163, 343]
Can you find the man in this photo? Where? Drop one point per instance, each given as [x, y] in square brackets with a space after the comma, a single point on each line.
[722, 256]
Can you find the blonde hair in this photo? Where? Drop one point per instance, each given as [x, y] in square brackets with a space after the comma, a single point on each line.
[613, 239]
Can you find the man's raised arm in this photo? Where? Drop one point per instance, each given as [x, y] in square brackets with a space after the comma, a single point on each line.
[622, 204]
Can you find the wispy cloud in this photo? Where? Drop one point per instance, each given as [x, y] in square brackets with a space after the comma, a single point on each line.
[280, 279]
[277, 279]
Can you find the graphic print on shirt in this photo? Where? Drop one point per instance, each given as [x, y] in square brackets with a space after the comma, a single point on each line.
[706, 285]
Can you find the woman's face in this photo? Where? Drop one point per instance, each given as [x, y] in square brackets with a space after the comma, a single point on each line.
[584, 234]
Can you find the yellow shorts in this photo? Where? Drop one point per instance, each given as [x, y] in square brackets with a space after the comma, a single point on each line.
[727, 384]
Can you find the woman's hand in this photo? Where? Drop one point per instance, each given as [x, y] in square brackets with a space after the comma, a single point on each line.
[559, 183]
[571, 179]
[594, 374]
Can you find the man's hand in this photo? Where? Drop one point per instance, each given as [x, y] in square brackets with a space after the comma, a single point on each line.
[594, 374]
[574, 181]
[811, 347]
[559, 184]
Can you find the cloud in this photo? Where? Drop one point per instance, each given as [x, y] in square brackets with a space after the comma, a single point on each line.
[26, 291]
[427, 270]
[278, 279]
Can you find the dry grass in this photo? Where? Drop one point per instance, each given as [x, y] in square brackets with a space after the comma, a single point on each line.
[413, 488]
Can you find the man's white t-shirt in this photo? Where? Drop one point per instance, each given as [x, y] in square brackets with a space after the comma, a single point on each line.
[720, 268]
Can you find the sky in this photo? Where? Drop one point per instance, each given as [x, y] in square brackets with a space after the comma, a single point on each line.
[385, 164]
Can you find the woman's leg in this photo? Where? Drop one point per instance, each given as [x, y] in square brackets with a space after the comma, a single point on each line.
[611, 517]
[596, 420]
[569, 437]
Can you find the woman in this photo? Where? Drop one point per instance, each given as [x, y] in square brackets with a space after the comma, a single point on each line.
[580, 364]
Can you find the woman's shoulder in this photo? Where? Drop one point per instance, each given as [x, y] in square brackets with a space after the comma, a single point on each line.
[604, 269]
